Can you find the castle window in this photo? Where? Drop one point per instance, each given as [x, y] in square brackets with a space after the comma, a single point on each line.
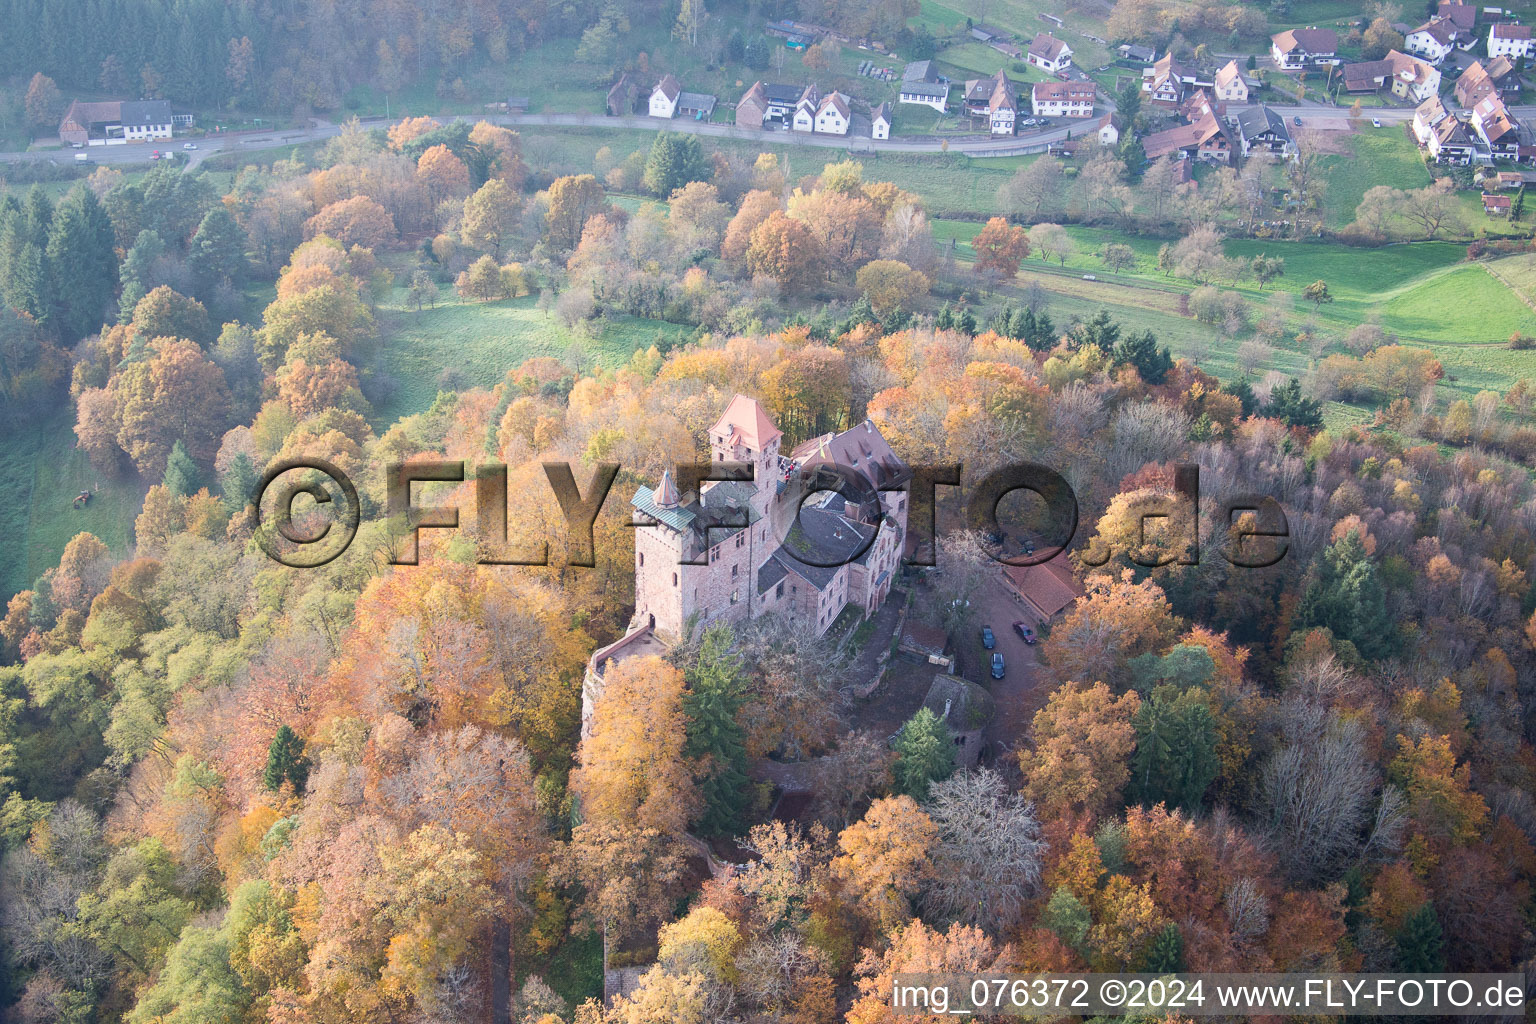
[734, 569]
[642, 558]
[779, 590]
[739, 538]
[674, 579]
[735, 596]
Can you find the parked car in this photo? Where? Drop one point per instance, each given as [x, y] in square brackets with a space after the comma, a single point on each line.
[189, 145]
[155, 155]
[1029, 546]
[1375, 122]
[988, 638]
[1025, 633]
[998, 668]
[1298, 122]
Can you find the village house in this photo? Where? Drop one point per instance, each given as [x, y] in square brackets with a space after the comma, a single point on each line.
[1441, 134]
[1428, 114]
[1109, 132]
[1050, 54]
[1164, 83]
[1433, 40]
[752, 107]
[1260, 129]
[1498, 129]
[1062, 99]
[732, 550]
[1506, 180]
[1507, 40]
[665, 96]
[766, 104]
[921, 84]
[1462, 15]
[1495, 205]
[833, 114]
[1480, 81]
[880, 124]
[700, 106]
[1198, 104]
[1140, 54]
[622, 96]
[1230, 86]
[1407, 77]
[116, 121]
[1206, 139]
[1298, 48]
[995, 99]
[1449, 142]
[804, 119]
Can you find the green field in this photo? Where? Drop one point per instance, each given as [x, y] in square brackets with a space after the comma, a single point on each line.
[480, 341]
[1394, 283]
[1387, 157]
[1465, 305]
[41, 471]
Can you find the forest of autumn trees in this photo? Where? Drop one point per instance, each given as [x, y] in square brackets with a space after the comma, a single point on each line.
[233, 791]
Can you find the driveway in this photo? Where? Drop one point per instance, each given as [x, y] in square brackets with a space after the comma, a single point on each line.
[1018, 694]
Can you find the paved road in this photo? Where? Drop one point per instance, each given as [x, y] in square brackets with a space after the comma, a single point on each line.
[1330, 118]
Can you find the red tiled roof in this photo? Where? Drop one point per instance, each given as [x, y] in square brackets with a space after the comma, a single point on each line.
[745, 419]
[1048, 587]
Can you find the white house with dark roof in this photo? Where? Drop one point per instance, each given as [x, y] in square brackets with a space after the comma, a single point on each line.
[1433, 41]
[1261, 130]
[880, 123]
[1512, 41]
[108, 121]
[921, 84]
[1048, 53]
[1298, 48]
[665, 96]
[1108, 131]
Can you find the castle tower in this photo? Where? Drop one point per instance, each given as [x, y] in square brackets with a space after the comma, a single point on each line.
[744, 433]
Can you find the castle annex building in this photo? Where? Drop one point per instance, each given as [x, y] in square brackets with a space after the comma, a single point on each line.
[735, 550]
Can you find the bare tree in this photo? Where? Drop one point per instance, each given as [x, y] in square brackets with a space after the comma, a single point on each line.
[846, 778]
[1316, 790]
[987, 865]
[1433, 208]
[1034, 189]
[1146, 432]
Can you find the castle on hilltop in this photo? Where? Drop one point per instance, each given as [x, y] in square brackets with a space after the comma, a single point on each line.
[734, 550]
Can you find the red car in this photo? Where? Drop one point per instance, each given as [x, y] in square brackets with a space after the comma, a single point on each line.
[1025, 633]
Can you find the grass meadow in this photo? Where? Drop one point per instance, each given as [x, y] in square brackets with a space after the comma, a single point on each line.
[474, 344]
[41, 471]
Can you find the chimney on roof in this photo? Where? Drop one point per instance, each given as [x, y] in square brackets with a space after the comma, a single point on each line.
[666, 493]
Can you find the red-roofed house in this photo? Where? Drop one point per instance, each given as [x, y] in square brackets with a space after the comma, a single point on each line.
[1062, 99]
[1496, 205]
[1045, 590]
